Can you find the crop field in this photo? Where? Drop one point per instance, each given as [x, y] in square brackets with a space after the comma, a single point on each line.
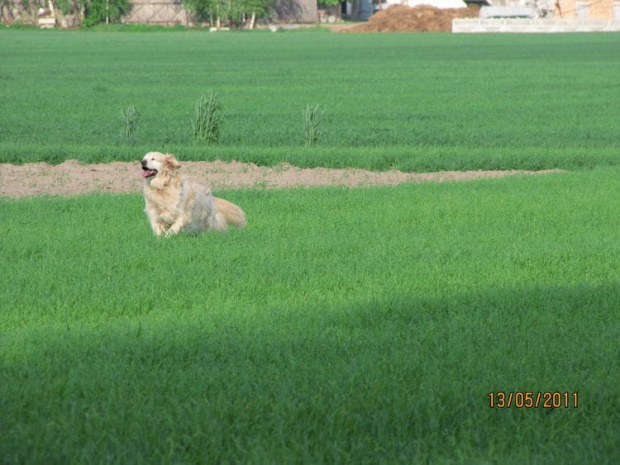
[371, 325]
[423, 102]
[342, 326]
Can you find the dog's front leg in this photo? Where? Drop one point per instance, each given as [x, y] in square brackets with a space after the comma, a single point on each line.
[157, 226]
[176, 227]
[158, 229]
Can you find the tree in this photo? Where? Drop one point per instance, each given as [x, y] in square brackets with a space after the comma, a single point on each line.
[228, 12]
[104, 11]
[95, 11]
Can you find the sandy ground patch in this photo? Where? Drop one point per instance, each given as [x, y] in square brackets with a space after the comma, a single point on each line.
[74, 178]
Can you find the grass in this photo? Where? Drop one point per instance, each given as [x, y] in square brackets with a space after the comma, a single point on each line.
[342, 326]
[313, 130]
[130, 122]
[422, 102]
[207, 120]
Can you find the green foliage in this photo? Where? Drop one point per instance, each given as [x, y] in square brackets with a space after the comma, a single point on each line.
[229, 12]
[70, 6]
[208, 119]
[313, 128]
[102, 11]
[419, 102]
[328, 3]
[65, 6]
[201, 9]
[129, 122]
[341, 326]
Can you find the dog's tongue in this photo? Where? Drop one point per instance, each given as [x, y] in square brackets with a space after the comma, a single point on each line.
[147, 173]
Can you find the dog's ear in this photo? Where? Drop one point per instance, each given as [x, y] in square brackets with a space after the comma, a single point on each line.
[172, 162]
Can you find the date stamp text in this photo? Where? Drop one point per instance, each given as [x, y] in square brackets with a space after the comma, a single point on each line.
[522, 399]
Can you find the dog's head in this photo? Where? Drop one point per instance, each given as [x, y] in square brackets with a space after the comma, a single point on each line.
[159, 166]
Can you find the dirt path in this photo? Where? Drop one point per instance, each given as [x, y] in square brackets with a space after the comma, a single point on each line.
[73, 178]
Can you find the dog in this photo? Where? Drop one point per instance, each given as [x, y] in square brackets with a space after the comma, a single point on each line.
[175, 204]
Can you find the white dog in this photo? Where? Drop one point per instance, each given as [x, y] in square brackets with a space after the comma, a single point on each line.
[175, 204]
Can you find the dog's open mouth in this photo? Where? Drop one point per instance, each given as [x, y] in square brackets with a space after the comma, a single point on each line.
[147, 173]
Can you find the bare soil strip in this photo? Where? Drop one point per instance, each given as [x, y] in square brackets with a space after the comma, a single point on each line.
[74, 178]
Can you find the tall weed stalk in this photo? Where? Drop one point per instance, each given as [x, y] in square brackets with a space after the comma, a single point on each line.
[313, 127]
[129, 122]
[208, 119]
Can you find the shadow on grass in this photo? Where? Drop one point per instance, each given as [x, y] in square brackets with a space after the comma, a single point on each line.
[397, 379]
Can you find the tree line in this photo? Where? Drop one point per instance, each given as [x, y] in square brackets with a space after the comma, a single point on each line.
[218, 13]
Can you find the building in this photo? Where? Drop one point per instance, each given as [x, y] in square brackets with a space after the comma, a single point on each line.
[569, 9]
[593, 9]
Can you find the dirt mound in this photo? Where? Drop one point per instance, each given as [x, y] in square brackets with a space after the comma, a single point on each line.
[422, 18]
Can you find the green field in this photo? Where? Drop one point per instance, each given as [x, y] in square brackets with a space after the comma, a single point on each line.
[342, 325]
[420, 102]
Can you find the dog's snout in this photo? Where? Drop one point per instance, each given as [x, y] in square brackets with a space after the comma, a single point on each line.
[143, 163]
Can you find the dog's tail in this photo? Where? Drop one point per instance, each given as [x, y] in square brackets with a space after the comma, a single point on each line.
[229, 214]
